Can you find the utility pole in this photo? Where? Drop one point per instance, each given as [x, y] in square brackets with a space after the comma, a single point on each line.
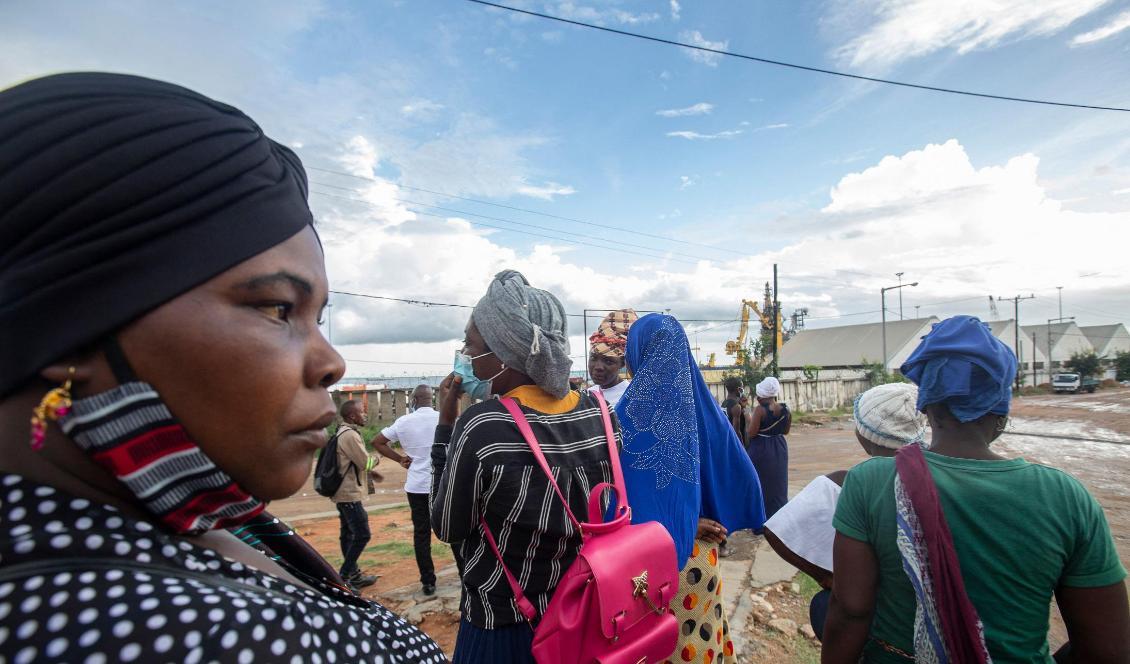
[1060, 289]
[330, 321]
[1016, 319]
[776, 320]
[899, 275]
[1050, 321]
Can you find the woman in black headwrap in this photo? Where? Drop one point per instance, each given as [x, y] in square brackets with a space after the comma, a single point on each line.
[160, 290]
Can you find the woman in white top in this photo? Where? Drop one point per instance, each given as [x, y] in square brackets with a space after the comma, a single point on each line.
[801, 532]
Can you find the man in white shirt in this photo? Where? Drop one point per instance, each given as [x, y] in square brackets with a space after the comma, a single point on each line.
[416, 432]
[606, 358]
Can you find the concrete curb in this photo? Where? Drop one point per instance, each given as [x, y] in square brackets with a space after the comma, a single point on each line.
[736, 579]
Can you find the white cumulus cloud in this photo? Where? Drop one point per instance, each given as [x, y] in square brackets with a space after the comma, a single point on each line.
[701, 108]
[421, 108]
[705, 57]
[1116, 25]
[545, 191]
[696, 136]
[962, 231]
[601, 16]
[893, 30]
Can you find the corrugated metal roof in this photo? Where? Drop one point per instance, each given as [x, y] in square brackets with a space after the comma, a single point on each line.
[1104, 337]
[850, 345]
[997, 327]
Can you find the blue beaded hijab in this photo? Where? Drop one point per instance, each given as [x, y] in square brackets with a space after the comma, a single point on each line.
[681, 457]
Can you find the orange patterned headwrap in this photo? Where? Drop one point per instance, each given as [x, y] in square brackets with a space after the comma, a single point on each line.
[611, 337]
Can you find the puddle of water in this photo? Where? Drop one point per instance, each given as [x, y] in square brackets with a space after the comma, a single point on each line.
[1017, 426]
[1102, 465]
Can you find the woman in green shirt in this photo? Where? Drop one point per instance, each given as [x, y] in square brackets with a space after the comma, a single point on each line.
[909, 588]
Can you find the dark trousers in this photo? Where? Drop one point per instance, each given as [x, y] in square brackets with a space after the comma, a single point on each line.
[818, 612]
[354, 535]
[422, 536]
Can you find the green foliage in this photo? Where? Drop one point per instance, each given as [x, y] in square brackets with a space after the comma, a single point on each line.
[811, 371]
[754, 370]
[1086, 364]
[1122, 365]
[877, 374]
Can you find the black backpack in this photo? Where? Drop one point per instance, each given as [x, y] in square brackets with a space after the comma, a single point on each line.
[327, 474]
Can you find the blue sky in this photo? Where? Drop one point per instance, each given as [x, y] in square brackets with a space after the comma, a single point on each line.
[841, 182]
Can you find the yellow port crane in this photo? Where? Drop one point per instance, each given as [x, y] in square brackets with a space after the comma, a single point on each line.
[737, 346]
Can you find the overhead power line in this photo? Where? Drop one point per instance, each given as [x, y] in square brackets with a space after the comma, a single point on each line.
[602, 226]
[618, 247]
[504, 220]
[792, 65]
[426, 303]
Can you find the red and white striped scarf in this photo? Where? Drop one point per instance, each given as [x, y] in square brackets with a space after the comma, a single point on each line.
[131, 433]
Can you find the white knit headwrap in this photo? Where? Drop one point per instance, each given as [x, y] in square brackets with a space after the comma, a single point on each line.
[887, 415]
[770, 387]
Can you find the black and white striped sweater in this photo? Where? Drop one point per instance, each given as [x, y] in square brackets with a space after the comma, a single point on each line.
[484, 466]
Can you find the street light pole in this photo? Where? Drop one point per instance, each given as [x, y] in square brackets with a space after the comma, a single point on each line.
[899, 275]
[1060, 289]
[883, 307]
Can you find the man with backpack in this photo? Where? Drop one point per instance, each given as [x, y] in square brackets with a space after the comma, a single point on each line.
[353, 465]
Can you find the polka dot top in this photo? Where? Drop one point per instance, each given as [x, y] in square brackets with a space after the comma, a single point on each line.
[80, 582]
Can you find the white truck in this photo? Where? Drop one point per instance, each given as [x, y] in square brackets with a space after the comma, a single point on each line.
[1073, 382]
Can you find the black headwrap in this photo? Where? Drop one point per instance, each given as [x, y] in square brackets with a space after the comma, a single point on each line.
[118, 193]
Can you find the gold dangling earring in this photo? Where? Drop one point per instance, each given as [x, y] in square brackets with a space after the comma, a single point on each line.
[54, 405]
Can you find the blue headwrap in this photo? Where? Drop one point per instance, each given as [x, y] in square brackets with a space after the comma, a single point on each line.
[681, 457]
[962, 365]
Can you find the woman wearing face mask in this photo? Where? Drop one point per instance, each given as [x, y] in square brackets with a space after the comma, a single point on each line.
[160, 289]
[516, 346]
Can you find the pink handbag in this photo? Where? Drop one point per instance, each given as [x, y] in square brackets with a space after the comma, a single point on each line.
[611, 605]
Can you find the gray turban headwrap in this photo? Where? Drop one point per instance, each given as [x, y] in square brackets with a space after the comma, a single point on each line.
[119, 193]
[525, 328]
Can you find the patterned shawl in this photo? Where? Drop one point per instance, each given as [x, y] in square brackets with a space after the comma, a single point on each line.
[946, 625]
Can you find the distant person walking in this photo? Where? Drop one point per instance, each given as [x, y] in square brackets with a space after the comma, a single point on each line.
[734, 408]
[767, 445]
[415, 432]
[356, 465]
[606, 359]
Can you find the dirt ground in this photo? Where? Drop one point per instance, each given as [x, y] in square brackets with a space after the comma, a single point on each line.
[307, 502]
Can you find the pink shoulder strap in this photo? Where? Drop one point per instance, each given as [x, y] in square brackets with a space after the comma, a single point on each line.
[524, 605]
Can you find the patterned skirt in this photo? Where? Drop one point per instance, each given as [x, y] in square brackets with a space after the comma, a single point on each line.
[704, 631]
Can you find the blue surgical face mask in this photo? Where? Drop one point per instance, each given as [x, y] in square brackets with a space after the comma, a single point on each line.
[472, 385]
